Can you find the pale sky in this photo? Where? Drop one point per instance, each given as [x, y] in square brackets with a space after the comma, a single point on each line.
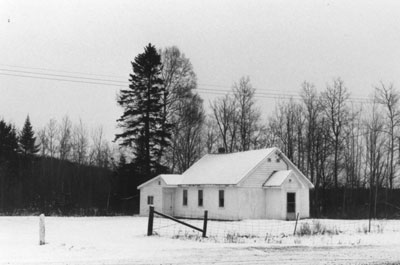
[278, 44]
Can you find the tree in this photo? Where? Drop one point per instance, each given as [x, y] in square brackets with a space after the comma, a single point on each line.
[336, 110]
[183, 109]
[65, 138]
[8, 157]
[186, 142]
[80, 143]
[248, 115]
[8, 140]
[142, 120]
[224, 114]
[47, 137]
[27, 140]
[389, 98]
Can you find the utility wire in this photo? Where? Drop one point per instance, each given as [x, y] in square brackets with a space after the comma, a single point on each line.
[59, 71]
[91, 74]
[117, 83]
[67, 76]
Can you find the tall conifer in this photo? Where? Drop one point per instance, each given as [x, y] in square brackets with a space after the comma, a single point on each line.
[27, 139]
[142, 119]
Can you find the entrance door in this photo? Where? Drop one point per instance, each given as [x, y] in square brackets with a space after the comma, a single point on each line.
[291, 205]
[168, 201]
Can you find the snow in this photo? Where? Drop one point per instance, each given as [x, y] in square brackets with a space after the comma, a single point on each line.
[172, 179]
[123, 240]
[277, 178]
[224, 169]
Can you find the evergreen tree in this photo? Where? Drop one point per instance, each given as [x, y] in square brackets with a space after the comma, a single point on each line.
[8, 140]
[27, 139]
[142, 120]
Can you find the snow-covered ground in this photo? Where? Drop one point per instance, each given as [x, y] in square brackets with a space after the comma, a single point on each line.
[123, 240]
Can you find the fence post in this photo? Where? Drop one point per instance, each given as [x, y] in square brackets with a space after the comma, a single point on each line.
[295, 226]
[41, 230]
[205, 223]
[150, 223]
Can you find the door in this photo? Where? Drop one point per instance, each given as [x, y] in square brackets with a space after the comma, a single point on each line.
[168, 201]
[291, 206]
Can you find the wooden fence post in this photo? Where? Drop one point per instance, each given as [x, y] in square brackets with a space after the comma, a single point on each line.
[205, 223]
[150, 223]
[42, 230]
[295, 226]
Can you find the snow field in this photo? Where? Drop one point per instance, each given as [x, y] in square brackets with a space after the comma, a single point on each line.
[123, 240]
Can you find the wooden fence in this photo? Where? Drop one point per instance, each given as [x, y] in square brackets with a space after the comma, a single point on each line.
[151, 221]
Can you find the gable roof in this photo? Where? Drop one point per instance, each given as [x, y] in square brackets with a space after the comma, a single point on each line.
[230, 169]
[170, 180]
[277, 178]
[224, 169]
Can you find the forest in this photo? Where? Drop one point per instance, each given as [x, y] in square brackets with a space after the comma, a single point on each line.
[347, 146]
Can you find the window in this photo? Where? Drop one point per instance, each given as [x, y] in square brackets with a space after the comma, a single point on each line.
[185, 197]
[221, 198]
[291, 202]
[269, 159]
[200, 198]
[278, 160]
[150, 200]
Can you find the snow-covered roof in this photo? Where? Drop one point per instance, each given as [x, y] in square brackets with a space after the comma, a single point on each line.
[277, 178]
[169, 179]
[172, 179]
[230, 169]
[224, 169]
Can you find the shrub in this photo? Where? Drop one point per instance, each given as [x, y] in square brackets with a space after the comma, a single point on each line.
[304, 229]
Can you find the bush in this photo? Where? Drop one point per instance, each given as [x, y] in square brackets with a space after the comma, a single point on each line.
[316, 228]
[304, 229]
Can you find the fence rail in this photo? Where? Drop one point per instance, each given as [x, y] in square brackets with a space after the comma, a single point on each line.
[151, 222]
[261, 229]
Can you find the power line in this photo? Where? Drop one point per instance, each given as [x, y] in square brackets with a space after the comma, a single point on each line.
[116, 83]
[63, 80]
[67, 76]
[91, 74]
[60, 71]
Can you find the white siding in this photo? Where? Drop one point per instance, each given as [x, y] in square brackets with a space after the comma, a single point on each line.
[258, 177]
[240, 203]
[273, 198]
[151, 189]
[305, 203]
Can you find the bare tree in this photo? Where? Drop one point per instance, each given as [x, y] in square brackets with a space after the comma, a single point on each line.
[80, 143]
[248, 115]
[65, 138]
[374, 154]
[187, 145]
[224, 110]
[211, 133]
[336, 110]
[389, 98]
[312, 113]
[180, 82]
[48, 138]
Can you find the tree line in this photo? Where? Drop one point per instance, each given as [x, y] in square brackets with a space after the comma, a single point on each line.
[58, 170]
[342, 145]
[348, 149]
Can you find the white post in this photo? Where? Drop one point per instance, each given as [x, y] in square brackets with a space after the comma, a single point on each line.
[41, 230]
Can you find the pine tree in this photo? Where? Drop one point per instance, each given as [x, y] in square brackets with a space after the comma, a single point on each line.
[8, 140]
[142, 120]
[27, 139]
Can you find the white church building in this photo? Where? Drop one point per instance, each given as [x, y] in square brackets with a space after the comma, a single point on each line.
[259, 184]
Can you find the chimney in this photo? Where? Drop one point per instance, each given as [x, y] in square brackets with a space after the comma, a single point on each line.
[221, 150]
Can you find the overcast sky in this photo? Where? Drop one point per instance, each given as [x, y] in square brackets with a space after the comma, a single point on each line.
[278, 44]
